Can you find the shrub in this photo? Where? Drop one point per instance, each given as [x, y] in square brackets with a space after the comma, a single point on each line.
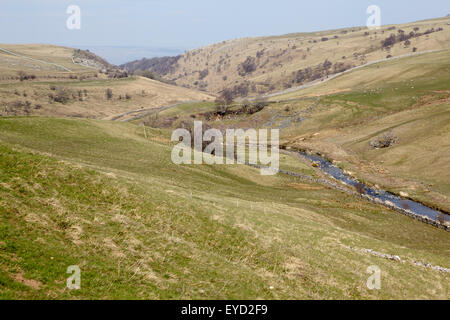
[109, 94]
[203, 74]
[389, 41]
[21, 75]
[226, 97]
[62, 95]
[247, 67]
[147, 74]
[384, 141]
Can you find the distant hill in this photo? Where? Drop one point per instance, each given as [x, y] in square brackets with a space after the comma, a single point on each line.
[50, 80]
[255, 66]
[161, 66]
[89, 59]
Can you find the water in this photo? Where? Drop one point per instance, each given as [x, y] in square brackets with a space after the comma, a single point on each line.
[384, 196]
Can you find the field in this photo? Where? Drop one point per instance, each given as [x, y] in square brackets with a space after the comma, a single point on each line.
[101, 196]
[61, 88]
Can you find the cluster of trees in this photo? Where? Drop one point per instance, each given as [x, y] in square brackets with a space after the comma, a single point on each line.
[247, 67]
[60, 95]
[109, 95]
[238, 90]
[225, 106]
[402, 36]
[18, 107]
[161, 66]
[118, 74]
[319, 71]
[23, 76]
[64, 95]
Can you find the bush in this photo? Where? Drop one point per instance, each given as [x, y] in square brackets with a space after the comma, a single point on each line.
[109, 94]
[389, 41]
[384, 141]
[147, 74]
[23, 76]
[247, 67]
[62, 95]
[203, 74]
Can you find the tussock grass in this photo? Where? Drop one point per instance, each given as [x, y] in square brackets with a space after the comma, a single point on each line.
[99, 195]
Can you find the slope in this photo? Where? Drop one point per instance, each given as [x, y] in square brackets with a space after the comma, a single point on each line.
[102, 196]
[59, 81]
[256, 66]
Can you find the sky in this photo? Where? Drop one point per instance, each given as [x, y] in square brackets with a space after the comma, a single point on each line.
[130, 29]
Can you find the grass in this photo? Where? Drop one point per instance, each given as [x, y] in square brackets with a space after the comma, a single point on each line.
[142, 93]
[280, 56]
[408, 96]
[99, 195]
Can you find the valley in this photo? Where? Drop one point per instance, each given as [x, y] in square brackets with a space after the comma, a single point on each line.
[87, 176]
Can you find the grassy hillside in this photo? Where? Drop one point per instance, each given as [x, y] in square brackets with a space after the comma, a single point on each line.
[44, 80]
[409, 97]
[102, 196]
[254, 66]
[340, 118]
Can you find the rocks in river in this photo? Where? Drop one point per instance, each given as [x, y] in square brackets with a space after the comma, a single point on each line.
[389, 203]
[384, 141]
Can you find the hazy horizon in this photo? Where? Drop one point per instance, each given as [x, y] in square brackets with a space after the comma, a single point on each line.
[125, 30]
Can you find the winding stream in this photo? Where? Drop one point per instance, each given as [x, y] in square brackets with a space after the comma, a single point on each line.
[406, 206]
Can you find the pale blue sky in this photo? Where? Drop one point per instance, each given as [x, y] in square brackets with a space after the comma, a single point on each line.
[176, 25]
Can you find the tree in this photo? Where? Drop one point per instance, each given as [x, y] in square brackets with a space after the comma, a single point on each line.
[22, 75]
[62, 95]
[223, 101]
[109, 94]
[203, 74]
[389, 41]
[246, 67]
